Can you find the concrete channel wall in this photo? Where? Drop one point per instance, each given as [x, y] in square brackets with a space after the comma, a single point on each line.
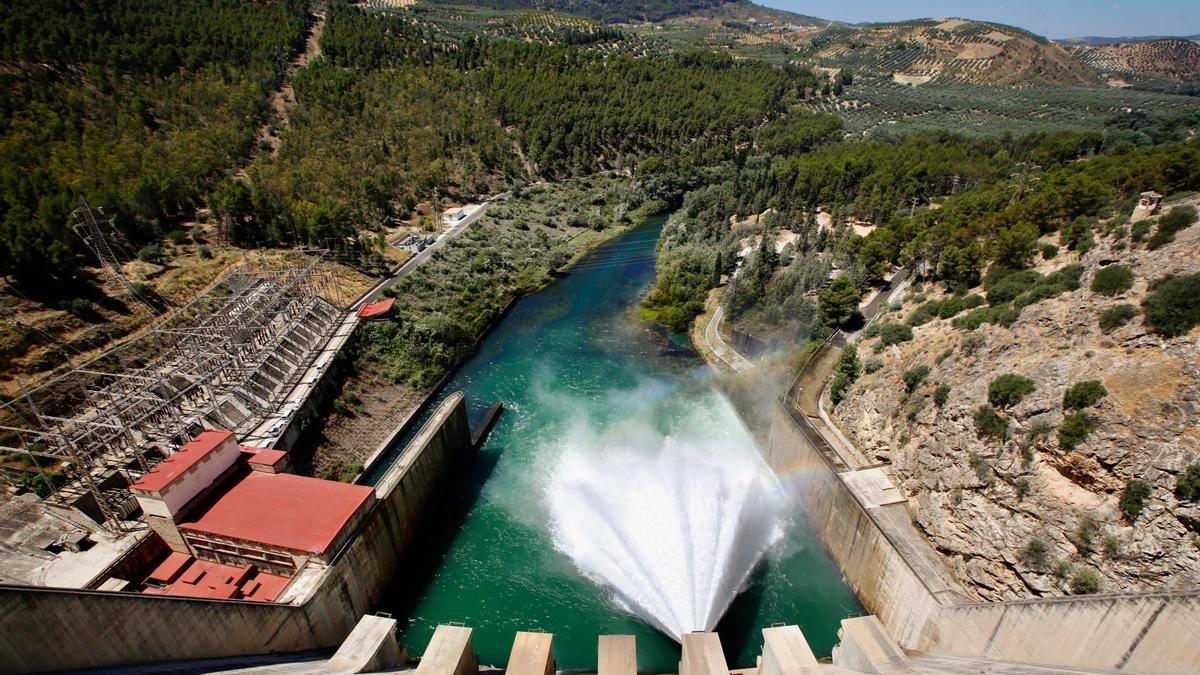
[52, 629]
[1153, 633]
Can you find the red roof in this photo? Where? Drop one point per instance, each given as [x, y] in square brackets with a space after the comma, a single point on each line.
[177, 464]
[266, 457]
[374, 309]
[205, 579]
[282, 509]
[169, 569]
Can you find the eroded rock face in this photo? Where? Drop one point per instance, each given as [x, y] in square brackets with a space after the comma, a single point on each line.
[981, 502]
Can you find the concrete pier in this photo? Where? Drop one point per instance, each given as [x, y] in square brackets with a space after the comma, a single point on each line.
[702, 655]
[618, 655]
[532, 654]
[786, 652]
[449, 653]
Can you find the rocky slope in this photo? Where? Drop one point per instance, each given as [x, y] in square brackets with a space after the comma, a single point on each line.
[982, 502]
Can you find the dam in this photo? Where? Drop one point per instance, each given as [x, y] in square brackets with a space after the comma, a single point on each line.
[587, 383]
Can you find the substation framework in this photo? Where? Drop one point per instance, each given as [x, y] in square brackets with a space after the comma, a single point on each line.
[228, 357]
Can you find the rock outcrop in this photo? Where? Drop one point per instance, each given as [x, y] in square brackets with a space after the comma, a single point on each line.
[982, 502]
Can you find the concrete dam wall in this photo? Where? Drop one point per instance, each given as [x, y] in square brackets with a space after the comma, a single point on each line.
[898, 577]
[97, 629]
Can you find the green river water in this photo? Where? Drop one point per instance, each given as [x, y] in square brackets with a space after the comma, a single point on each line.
[572, 363]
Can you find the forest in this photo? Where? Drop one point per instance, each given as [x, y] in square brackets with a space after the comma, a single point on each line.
[141, 107]
[611, 11]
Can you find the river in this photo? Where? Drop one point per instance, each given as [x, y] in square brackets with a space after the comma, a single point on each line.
[574, 365]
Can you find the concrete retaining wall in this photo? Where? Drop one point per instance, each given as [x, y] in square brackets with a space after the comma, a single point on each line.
[48, 629]
[1153, 633]
[881, 578]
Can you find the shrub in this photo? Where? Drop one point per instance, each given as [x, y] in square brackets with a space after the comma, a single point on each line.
[1187, 484]
[913, 377]
[871, 331]
[1141, 230]
[894, 333]
[1074, 430]
[1084, 534]
[941, 395]
[988, 424]
[1001, 315]
[983, 471]
[952, 307]
[1117, 316]
[1133, 498]
[1173, 306]
[1112, 545]
[971, 343]
[1008, 389]
[872, 366]
[1061, 568]
[1049, 251]
[1022, 487]
[925, 313]
[1010, 286]
[177, 236]
[1084, 394]
[1179, 218]
[1085, 582]
[151, 253]
[81, 308]
[1112, 280]
[845, 373]
[1034, 553]
[205, 253]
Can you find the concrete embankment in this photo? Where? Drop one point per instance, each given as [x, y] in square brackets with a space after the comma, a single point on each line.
[51, 629]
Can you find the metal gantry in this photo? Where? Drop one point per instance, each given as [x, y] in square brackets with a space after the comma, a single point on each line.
[227, 357]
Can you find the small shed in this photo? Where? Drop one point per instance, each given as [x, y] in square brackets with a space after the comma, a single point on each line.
[378, 311]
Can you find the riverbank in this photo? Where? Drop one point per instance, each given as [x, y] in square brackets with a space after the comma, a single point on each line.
[516, 249]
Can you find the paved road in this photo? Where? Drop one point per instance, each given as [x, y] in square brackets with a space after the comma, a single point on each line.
[415, 261]
[717, 345]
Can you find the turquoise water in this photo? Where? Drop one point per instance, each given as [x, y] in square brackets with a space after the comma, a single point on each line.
[575, 368]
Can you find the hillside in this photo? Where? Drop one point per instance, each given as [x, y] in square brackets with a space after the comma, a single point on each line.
[949, 50]
[1171, 58]
[1019, 513]
[611, 11]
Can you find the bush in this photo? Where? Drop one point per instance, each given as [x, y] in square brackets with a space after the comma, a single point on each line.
[1133, 498]
[1008, 389]
[941, 395]
[1084, 534]
[1034, 553]
[1012, 285]
[988, 424]
[1084, 394]
[81, 308]
[1115, 317]
[871, 331]
[177, 236]
[913, 377]
[1112, 280]
[1000, 315]
[971, 343]
[1173, 306]
[1179, 218]
[1085, 582]
[894, 333]
[1141, 230]
[872, 366]
[1187, 484]
[205, 253]
[924, 314]
[845, 373]
[151, 253]
[1049, 251]
[1074, 430]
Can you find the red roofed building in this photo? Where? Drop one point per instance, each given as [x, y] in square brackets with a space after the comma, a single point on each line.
[276, 521]
[237, 506]
[377, 310]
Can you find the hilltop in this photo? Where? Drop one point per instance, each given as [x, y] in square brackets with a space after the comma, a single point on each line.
[1171, 58]
[949, 50]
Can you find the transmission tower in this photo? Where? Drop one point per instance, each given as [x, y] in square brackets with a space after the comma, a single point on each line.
[93, 233]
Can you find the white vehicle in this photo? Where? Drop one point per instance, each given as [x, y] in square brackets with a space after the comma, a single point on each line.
[277, 427]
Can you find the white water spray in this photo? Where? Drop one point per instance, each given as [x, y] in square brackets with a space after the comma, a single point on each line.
[674, 528]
